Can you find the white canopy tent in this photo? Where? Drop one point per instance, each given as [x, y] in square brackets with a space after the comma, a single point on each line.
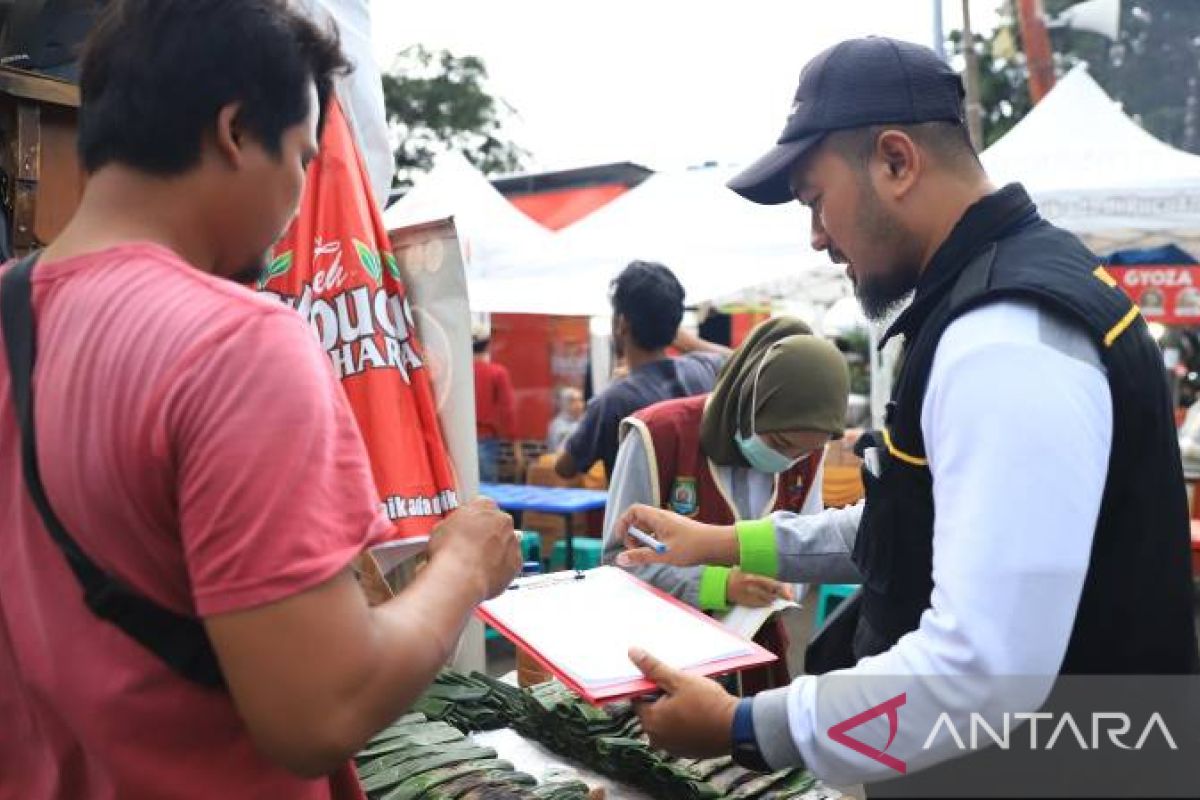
[497, 238]
[723, 248]
[1094, 171]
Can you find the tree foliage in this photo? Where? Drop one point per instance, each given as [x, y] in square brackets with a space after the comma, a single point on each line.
[1153, 69]
[437, 101]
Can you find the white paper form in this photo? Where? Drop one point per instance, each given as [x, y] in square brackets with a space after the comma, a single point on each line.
[585, 627]
[390, 555]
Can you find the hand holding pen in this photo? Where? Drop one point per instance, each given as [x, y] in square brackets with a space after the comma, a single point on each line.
[656, 536]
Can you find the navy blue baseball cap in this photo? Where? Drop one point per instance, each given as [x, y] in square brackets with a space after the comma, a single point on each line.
[859, 82]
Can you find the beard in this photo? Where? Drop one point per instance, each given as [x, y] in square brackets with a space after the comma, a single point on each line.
[880, 294]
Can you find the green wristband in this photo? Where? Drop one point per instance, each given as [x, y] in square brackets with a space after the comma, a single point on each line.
[714, 583]
[756, 543]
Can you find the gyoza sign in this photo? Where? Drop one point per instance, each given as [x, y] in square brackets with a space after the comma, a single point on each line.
[1167, 294]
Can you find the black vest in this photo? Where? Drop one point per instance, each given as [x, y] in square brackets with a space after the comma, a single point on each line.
[1135, 613]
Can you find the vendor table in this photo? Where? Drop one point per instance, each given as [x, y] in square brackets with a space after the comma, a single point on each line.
[517, 499]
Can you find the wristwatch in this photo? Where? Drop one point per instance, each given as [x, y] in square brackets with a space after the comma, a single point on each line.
[745, 743]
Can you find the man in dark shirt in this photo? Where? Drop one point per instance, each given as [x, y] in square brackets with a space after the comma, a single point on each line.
[647, 302]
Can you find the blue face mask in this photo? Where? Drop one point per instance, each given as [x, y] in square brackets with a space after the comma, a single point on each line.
[761, 456]
[758, 454]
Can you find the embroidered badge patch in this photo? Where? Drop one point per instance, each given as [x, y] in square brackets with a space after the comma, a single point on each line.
[684, 498]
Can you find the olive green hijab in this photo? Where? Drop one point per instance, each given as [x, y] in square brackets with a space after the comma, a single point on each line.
[803, 384]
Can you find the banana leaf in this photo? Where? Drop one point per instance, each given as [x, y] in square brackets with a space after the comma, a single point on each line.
[565, 790]
[419, 785]
[457, 693]
[755, 788]
[799, 783]
[465, 747]
[402, 723]
[730, 778]
[707, 768]
[432, 707]
[421, 764]
[398, 729]
[609, 739]
[515, 783]
[428, 734]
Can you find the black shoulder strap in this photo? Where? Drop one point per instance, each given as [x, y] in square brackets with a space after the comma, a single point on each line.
[974, 280]
[181, 642]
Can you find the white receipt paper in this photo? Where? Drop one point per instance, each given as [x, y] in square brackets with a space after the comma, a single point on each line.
[586, 627]
[747, 622]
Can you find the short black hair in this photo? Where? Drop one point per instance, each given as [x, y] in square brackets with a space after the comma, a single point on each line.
[650, 297]
[155, 74]
[949, 142]
[480, 345]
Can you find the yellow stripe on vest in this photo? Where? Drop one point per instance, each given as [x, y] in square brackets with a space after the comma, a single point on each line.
[1105, 277]
[900, 454]
[1121, 326]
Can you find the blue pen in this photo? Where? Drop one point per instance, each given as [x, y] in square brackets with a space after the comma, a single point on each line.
[648, 540]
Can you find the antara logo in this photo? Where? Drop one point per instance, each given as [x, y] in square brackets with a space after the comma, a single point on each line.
[1115, 724]
[888, 707]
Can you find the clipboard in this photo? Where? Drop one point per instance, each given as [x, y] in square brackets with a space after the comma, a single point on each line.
[538, 624]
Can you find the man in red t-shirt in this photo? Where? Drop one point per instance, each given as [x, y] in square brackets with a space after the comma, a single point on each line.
[195, 443]
[494, 411]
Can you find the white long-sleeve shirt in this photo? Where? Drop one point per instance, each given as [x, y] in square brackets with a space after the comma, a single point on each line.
[1017, 423]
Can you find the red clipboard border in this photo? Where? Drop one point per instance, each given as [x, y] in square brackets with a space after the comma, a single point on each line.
[623, 691]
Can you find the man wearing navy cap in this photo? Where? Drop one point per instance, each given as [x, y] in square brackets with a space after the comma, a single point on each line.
[1025, 511]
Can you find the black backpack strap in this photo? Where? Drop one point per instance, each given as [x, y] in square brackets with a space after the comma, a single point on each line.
[179, 641]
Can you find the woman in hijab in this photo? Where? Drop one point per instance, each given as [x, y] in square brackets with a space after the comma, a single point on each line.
[752, 447]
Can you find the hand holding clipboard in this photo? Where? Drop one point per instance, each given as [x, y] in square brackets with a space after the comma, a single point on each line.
[581, 626]
[690, 715]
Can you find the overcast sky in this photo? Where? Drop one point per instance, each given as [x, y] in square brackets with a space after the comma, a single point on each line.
[664, 83]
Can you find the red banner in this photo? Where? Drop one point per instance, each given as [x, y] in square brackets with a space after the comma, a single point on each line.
[543, 354]
[336, 268]
[1169, 294]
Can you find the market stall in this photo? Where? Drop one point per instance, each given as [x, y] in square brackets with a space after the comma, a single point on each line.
[1094, 171]
[38, 165]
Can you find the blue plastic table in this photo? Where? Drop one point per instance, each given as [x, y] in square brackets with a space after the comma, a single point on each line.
[517, 499]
